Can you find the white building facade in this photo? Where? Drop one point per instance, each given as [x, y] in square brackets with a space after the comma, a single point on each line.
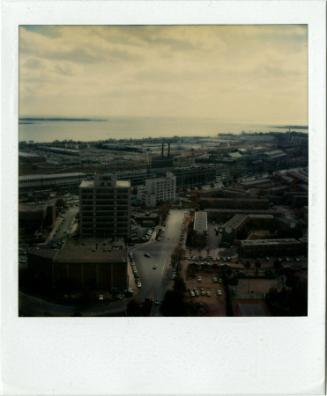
[161, 189]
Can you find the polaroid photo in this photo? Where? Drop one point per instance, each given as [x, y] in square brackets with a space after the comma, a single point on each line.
[163, 190]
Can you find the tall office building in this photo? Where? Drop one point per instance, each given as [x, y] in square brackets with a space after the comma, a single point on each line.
[105, 207]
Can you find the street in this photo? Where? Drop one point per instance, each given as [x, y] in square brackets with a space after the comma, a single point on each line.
[65, 225]
[156, 281]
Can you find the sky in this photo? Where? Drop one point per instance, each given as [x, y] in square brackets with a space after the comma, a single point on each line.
[249, 73]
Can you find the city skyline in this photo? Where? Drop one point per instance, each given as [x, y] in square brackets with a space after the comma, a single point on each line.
[251, 74]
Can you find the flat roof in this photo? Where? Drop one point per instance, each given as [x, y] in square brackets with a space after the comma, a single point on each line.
[51, 176]
[92, 250]
[241, 211]
[200, 222]
[271, 242]
[123, 183]
[118, 184]
[28, 155]
[214, 199]
[235, 222]
[87, 184]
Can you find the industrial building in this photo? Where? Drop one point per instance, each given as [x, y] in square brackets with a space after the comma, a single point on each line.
[81, 264]
[194, 176]
[160, 189]
[272, 247]
[234, 203]
[34, 216]
[240, 224]
[200, 225]
[105, 207]
[31, 182]
[163, 161]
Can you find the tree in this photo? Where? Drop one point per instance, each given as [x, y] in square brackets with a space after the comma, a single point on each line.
[163, 211]
[179, 285]
[133, 308]
[173, 304]
[60, 203]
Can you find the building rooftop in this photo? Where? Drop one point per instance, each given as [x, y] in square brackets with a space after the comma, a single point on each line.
[92, 251]
[88, 251]
[117, 183]
[269, 242]
[123, 183]
[51, 176]
[35, 206]
[235, 222]
[87, 184]
[235, 155]
[200, 222]
[23, 154]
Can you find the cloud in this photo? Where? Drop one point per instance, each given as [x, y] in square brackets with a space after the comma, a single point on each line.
[237, 72]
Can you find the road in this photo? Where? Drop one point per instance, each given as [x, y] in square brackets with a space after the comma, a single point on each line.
[156, 281]
[65, 224]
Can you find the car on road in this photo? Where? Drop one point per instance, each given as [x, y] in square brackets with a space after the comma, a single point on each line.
[147, 255]
[139, 284]
[199, 279]
[214, 279]
[197, 293]
[219, 292]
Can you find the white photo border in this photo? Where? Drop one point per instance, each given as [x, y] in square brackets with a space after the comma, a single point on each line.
[143, 356]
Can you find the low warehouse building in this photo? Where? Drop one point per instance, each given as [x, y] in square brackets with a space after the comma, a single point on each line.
[272, 247]
[200, 223]
[81, 264]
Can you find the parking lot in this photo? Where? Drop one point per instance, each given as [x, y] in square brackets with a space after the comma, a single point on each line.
[207, 288]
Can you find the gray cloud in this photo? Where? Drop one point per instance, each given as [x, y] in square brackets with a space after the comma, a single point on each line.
[206, 71]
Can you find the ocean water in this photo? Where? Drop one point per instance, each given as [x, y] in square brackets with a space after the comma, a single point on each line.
[48, 130]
